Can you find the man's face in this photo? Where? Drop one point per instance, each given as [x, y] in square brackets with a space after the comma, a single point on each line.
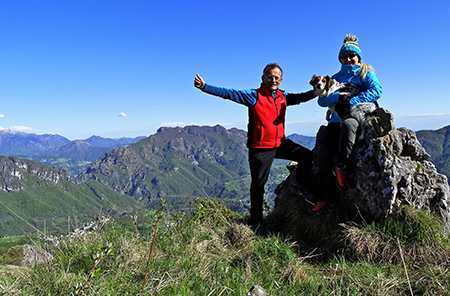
[272, 79]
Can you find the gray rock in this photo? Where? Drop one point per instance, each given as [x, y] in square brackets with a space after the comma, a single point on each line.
[28, 256]
[257, 290]
[388, 170]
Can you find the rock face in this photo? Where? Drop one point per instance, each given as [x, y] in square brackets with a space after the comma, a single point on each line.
[13, 169]
[389, 169]
[28, 256]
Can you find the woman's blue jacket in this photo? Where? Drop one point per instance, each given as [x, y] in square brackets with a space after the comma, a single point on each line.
[370, 86]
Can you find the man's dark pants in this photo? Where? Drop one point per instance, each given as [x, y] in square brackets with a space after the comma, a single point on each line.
[260, 161]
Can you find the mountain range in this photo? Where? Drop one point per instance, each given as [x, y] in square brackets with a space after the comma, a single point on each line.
[56, 150]
[175, 164]
[119, 175]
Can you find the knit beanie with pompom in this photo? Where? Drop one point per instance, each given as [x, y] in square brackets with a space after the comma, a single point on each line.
[350, 44]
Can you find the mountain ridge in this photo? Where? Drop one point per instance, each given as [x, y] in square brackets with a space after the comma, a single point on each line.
[56, 150]
[174, 161]
[35, 196]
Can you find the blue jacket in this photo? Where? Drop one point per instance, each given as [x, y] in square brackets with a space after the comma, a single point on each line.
[248, 97]
[371, 87]
[266, 120]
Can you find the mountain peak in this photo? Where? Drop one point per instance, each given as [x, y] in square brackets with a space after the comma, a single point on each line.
[176, 161]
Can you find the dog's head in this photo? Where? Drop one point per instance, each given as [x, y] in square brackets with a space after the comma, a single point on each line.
[321, 82]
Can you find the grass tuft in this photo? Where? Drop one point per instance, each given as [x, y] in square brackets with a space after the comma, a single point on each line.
[212, 252]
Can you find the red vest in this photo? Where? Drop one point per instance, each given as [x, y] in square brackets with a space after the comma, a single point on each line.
[266, 120]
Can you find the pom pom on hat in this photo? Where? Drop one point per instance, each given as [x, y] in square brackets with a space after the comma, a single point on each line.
[350, 44]
[351, 38]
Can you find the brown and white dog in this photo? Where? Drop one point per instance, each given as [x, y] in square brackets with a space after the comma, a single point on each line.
[324, 83]
[328, 86]
[359, 111]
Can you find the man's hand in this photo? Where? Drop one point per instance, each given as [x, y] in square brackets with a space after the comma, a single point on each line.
[318, 92]
[199, 82]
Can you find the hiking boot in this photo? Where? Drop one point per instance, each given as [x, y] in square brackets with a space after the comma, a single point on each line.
[320, 205]
[341, 178]
[257, 228]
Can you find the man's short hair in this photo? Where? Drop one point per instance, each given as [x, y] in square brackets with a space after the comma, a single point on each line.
[270, 67]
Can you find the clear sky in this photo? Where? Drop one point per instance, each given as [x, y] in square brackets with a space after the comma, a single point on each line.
[124, 68]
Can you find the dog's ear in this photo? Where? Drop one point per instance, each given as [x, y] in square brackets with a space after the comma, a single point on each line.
[312, 80]
[329, 81]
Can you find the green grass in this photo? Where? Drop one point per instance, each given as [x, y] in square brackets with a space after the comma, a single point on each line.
[212, 252]
[44, 205]
[412, 227]
[11, 241]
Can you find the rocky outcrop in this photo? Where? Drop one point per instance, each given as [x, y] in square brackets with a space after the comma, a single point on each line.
[389, 169]
[28, 256]
[13, 170]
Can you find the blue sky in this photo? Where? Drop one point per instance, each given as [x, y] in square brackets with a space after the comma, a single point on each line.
[124, 68]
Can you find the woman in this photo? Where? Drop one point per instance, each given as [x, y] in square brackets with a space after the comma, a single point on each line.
[340, 136]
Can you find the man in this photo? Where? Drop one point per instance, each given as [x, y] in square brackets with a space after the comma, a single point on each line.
[266, 134]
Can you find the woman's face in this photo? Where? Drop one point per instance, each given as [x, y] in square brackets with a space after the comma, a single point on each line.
[349, 58]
